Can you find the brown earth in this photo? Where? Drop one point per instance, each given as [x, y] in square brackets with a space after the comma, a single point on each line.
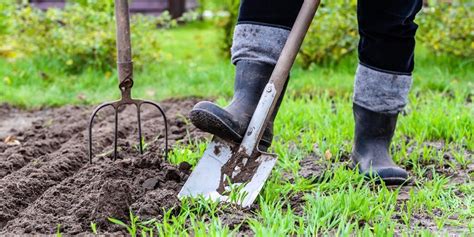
[46, 178]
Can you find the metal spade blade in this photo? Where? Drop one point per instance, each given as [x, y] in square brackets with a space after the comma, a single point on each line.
[210, 180]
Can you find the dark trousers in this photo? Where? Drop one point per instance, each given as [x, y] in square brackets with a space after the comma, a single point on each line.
[386, 28]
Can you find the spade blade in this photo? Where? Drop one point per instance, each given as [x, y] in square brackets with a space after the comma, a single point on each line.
[211, 178]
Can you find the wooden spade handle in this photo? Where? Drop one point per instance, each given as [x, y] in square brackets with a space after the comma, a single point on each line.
[275, 86]
[293, 44]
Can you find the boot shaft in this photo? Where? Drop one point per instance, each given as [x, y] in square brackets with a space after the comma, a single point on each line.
[250, 81]
[371, 150]
[369, 124]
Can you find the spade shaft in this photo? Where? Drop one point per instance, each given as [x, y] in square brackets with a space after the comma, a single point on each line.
[226, 166]
[279, 77]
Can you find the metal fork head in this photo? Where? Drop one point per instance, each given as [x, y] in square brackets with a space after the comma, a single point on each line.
[126, 100]
[125, 76]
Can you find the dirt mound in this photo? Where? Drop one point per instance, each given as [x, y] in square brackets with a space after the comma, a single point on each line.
[47, 180]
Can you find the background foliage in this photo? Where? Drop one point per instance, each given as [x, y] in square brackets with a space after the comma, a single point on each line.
[448, 28]
[80, 36]
[83, 34]
[227, 23]
[333, 33]
[445, 27]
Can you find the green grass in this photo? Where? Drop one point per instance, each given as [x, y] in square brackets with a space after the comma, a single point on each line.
[314, 120]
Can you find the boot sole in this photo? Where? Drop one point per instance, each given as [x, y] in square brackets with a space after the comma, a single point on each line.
[208, 122]
[389, 181]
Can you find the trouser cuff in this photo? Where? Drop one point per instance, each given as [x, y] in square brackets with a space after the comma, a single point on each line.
[259, 43]
[381, 92]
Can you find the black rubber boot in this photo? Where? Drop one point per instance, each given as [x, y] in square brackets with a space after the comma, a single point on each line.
[231, 122]
[373, 134]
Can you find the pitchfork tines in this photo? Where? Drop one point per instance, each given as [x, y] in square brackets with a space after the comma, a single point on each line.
[125, 89]
[125, 76]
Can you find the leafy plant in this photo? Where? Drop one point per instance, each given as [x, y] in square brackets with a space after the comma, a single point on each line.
[6, 47]
[5, 10]
[235, 192]
[227, 24]
[132, 228]
[190, 153]
[58, 231]
[143, 143]
[81, 36]
[332, 35]
[447, 27]
[145, 228]
[199, 11]
[165, 20]
[94, 227]
[97, 5]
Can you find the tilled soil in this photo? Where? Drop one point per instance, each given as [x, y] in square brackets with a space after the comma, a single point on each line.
[46, 178]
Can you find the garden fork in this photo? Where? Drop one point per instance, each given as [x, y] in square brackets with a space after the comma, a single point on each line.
[125, 75]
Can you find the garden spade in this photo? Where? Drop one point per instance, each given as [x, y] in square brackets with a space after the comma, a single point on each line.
[237, 172]
[125, 75]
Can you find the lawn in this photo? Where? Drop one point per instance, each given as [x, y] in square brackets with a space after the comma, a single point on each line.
[311, 191]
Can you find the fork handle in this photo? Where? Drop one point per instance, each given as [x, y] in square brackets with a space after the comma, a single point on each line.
[124, 46]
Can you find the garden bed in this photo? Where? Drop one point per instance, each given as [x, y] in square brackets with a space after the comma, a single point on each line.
[47, 183]
[46, 179]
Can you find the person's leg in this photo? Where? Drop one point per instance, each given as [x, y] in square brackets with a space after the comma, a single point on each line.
[382, 82]
[259, 36]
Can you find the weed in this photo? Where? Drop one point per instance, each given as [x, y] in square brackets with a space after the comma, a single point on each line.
[58, 231]
[94, 227]
[143, 143]
[133, 225]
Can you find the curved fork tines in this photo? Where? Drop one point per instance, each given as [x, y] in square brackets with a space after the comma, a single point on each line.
[91, 120]
[116, 133]
[140, 144]
[166, 123]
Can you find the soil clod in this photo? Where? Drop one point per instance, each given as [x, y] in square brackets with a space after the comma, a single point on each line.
[47, 179]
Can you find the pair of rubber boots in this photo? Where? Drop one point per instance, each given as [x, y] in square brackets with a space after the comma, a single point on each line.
[373, 131]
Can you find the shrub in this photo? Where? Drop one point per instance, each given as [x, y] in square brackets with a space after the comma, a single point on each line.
[81, 35]
[96, 5]
[447, 27]
[6, 50]
[333, 33]
[227, 24]
[5, 10]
